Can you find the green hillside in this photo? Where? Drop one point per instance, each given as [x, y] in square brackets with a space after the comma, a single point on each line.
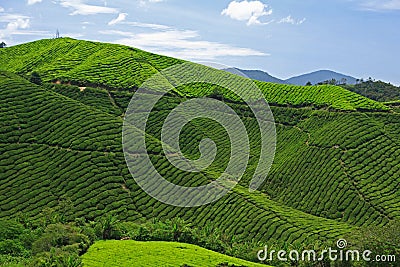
[125, 253]
[44, 159]
[120, 67]
[376, 90]
[334, 170]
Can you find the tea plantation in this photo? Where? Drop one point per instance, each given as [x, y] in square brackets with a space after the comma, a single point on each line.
[124, 253]
[336, 168]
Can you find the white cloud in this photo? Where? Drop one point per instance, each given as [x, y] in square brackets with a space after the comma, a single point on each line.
[181, 44]
[17, 24]
[72, 35]
[291, 20]
[80, 8]
[36, 33]
[32, 2]
[145, 2]
[148, 25]
[381, 5]
[1, 9]
[250, 11]
[12, 17]
[121, 17]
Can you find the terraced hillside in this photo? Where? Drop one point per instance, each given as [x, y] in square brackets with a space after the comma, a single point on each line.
[337, 164]
[120, 67]
[44, 159]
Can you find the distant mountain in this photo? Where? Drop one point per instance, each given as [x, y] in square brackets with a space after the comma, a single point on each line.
[257, 75]
[320, 76]
[313, 77]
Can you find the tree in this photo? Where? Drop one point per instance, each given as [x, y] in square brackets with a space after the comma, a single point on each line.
[35, 78]
[308, 83]
[65, 206]
[3, 45]
[217, 94]
[108, 226]
[59, 236]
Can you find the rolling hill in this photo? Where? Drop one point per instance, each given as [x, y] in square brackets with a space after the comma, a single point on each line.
[336, 168]
[376, 90]
[124, 253]
[258, 75]
[313, 77]
[123, 68]
[320, 76]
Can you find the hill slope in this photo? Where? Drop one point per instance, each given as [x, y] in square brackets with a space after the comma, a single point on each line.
[134, 253]
[53, 147]
[258, 75]
[320, 76]
[313, 77]
[333, 170]
[376, 90]
[119, 67]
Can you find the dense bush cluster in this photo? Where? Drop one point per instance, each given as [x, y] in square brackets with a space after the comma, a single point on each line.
[61, 243]
[376, 90]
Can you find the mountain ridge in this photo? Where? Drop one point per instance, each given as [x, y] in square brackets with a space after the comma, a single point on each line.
[314, 77]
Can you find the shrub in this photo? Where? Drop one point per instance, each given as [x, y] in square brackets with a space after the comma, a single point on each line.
[56, 257]
[13, 248]
[10, 229]
[58, 236]
[35, 78]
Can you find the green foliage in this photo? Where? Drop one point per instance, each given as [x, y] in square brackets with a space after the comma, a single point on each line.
[61, 244]
[376, 90]
[108, 227]
[64, 161]
[91, 64]
[61, 159]
[13, 248]
[380, 240]
[61, 236]
[98, 98]
[10, 229]
[56, 257]
[56, 245]
[125, 253]
[11, 261]
[35, 78]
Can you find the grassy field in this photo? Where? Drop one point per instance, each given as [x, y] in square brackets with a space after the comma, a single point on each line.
[153, 254]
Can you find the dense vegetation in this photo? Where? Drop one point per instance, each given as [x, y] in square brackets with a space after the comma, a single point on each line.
[124, 253]
[334, 171]
[376, 90]
[119, 67]
[52, 241]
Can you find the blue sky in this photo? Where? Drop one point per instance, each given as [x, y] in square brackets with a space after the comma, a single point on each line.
[283, 37]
